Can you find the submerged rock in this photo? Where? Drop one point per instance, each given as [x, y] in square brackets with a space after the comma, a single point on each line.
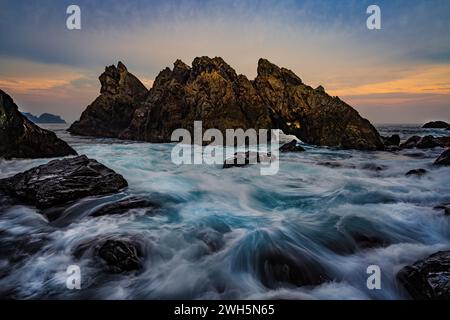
[416, 172]
[436, 125]
[20, 138]
[277, 269]
[111, 112]
[242, 159]
[123, 206]
[211, 91]
[291, 147]
[443, 159]
[121, 255]
[61, 181]
[428, 279]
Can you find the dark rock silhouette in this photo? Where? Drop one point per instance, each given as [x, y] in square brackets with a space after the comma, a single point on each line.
[436, 125]
[20, 138]
[443, 159]
[393, 140]
[428, 279]
[211, 91]
[111, 112]
[61, 181]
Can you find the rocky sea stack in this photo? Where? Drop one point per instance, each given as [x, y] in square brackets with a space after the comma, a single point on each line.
[120, 95]
[20, 138]
[211, 91]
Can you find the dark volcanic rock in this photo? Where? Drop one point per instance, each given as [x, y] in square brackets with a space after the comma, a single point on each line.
[242, 159]
[123, 206]
[443, 159]
[20, 138]
[428, 279]
[211, 91]
[427, 142]
[111, 112]
[61, 181]
[436, 125]
[121, 255]
[393, 140]
[291, 147]
[416, 172]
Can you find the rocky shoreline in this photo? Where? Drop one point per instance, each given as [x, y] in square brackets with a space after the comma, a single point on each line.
[277, 98]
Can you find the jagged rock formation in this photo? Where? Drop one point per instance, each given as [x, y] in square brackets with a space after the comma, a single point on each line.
[20, 138]
[210, 91]
[213, 92]
[112, 111]
[311, 114]
[61, 181]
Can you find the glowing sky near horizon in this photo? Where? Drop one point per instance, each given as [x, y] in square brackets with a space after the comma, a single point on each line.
[398, 74]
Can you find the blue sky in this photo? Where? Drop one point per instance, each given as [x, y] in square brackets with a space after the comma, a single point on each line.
[398, 74]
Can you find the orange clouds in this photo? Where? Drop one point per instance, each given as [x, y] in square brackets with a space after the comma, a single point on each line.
[421, 80]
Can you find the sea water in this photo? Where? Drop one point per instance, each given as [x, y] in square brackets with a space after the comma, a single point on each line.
[208, 237]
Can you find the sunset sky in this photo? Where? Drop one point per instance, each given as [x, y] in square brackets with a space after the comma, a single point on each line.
[398, 74]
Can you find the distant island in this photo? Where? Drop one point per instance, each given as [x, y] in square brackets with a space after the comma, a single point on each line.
[44, 118]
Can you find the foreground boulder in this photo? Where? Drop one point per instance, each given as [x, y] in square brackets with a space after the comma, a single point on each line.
[20, 138]
[61, 181]
[436, 125]
[291, 147]
[212, 91]
[112, 111]
[428, 279]
[444, 159]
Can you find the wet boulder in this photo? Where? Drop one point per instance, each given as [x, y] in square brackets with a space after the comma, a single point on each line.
[61, 181]
[429, 278]
[121, 255]
[443, 159]
[291, 147]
